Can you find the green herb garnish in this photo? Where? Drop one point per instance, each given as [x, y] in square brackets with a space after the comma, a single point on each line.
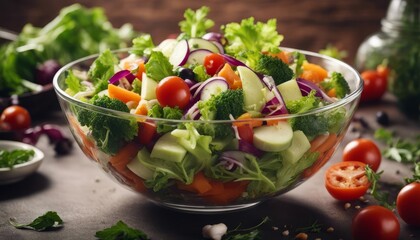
[121, 231]
[251, 233]
[49, 220]
[381, 196]
[401, 150]
[8, 159]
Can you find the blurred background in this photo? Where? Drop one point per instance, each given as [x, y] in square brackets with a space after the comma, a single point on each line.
[306, 24]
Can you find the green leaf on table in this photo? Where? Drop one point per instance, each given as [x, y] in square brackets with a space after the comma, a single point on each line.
[121, 231]
[49, 220]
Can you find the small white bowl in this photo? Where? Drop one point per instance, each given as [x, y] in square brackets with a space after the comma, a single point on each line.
[19, 171]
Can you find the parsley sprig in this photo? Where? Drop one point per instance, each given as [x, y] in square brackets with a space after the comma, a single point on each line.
[50, 220]
[381, 196]
[250, 233]
[121, 231]
[401, 150]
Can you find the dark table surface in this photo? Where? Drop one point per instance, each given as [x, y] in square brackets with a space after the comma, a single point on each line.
[88, 201]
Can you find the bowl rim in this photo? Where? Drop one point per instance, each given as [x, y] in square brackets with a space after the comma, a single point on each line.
[38, 156]
[347, 99]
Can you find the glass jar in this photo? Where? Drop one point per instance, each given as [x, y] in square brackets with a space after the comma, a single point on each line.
[397, 44]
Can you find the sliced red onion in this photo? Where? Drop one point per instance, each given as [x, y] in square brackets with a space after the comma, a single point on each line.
[120, 75]
[190, 83]
[276, 105]
[219, 46]
[306, 87]
[233, 61]
[192, 112]
[232, 160]
[249, 148]
[215, 36]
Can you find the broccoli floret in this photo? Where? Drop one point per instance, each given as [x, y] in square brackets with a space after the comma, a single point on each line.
[313, 125]
[158, 111]
[221, 106]
[109, 132]
[338, 83]
[275, 68]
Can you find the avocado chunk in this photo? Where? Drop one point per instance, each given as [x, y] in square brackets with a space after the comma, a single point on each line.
[167, 148]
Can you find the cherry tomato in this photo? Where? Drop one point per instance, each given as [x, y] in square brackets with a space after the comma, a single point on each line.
[346, 180]
[375, 86]
[363, 150]
[172, 91]
[375, 222]
[408, 204]
[213, 63]
[15, 118]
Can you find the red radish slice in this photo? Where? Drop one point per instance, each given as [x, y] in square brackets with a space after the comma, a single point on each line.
[211, 86]
[180, 53]
[197, 56]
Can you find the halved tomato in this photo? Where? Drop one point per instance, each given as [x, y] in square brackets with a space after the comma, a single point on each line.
[347, 180]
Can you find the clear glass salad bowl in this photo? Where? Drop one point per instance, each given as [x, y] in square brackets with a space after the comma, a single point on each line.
[189, 171]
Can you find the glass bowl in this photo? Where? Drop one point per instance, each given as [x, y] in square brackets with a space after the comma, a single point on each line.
[185, 171]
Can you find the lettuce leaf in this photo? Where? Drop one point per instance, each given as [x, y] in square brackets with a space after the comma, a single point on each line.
[196, 23]
[252, 36]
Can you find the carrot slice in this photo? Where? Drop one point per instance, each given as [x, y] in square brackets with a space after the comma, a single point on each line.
[252, 122]
[199, 185]
[124, 156]
[313, 72]
[123, 94]
[231, 77]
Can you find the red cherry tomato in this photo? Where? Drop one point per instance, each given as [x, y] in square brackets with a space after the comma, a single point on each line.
[408, 204]
[363, 150]
[346, 180]
[15, 118]
[213, 63]
[172, 91]
[375, 85]
[375, 222]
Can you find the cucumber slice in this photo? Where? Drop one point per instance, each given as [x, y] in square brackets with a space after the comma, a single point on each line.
[199, 43]
[138, 168]
[254, 97]
[167, 148]
[290, 90]
[273, 138]
[300, 144]
[148, 88]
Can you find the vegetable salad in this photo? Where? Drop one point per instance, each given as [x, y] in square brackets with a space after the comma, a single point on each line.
[191, 88]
